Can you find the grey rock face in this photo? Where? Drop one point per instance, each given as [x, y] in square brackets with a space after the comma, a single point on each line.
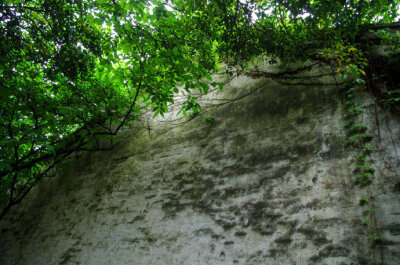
[269, 181]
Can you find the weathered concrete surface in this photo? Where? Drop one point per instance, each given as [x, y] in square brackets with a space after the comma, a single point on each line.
[270, 181]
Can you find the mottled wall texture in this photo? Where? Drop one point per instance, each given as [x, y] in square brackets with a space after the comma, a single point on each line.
[269, 180]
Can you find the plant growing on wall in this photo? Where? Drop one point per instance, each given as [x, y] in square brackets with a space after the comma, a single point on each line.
[73, 73]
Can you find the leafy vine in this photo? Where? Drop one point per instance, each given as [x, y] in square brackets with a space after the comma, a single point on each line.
[351, 63]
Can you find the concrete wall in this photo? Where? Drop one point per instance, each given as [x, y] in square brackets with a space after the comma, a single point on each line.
[269, 181]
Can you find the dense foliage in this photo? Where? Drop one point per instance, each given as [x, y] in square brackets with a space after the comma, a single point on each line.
[73, 73]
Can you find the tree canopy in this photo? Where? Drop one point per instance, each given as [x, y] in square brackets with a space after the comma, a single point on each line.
[73, 72]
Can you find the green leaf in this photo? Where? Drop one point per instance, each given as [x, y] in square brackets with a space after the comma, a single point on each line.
[175, 51]
[209, 119]
[156, 114]
[368, 147]
[359, 127]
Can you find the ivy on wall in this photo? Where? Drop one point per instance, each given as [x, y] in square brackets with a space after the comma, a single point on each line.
[73, 73]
